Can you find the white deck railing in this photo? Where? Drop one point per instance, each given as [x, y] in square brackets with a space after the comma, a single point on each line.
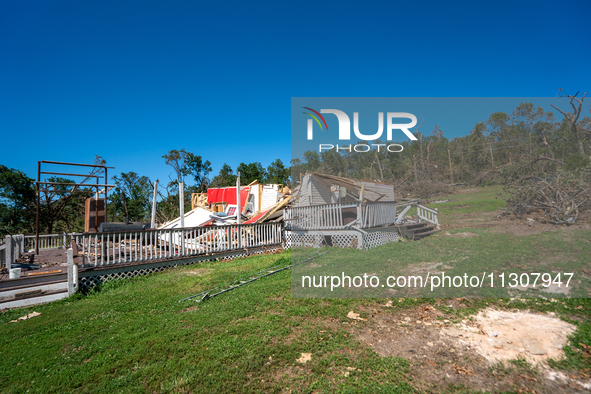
[427, 214]
[376, 214]
[51, 241]
[318, 217]
[135, 246]
[334, 216]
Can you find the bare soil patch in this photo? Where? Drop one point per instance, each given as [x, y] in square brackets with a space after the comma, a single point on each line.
[199, 272]
[461, 235]
[498, 224]
[444, 354]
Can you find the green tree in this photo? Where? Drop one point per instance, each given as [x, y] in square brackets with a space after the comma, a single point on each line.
[225, 177]
[176, 159]
[17, 201]
[277, 173]
[132, 197]
[251, 172]
[199, 169]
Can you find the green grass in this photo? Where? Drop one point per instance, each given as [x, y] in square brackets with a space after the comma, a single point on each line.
[485, 199]
[134, 336]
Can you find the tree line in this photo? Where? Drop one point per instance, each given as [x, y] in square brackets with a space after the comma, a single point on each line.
[528, 143]
[505, 147]
[131, 199]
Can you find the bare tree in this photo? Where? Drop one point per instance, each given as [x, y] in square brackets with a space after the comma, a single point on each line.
[573, 118]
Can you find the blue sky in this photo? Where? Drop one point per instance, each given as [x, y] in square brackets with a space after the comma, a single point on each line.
[130, 80]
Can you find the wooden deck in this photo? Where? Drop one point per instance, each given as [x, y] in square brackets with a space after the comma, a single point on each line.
[361, 225]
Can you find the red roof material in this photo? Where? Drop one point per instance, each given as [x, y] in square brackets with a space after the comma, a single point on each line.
[254, 219]
[227, 195]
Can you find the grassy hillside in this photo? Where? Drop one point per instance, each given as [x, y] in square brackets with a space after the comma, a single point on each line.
[134, 335]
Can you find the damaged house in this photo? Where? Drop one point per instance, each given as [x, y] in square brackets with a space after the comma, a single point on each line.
[336, 211]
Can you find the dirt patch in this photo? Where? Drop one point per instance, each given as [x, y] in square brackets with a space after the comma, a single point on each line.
[460, 235]
[199, 272]
[501, 225]
[503, 335]
[426, 267]
[523, 229]
[465, 191]
[189, 309]
[445, 354]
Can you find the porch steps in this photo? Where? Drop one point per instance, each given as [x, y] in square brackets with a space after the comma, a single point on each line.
[21, 296]
[416, 231]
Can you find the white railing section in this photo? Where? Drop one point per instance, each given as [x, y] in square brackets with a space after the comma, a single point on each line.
[318, 217]
[2, 253]
[332, 216]
[135, 246]
[11, 249]
[370, 214]
[377, 214]
[51, 241]
[427, 214]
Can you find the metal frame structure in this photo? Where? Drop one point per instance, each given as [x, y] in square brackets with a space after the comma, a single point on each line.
[106, 187]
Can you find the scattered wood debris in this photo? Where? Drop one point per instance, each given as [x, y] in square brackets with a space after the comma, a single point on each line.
[304, 358]
[460, 370]
[30, 315]
[355, 316]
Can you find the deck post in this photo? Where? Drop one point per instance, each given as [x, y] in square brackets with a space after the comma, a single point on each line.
[239, 211]
[182, 209]
[153, 221]
[360, 208]
[70, 259]
[8, 251]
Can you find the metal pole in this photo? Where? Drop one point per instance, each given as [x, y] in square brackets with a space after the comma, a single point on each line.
[238, 211]
[96, 207]
[37, 215]
[182, 209]
[153, 222]
[238, 198]
[182, 204]
[106, 191]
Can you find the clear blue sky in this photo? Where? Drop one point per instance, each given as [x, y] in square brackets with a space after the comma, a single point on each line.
[130, 80]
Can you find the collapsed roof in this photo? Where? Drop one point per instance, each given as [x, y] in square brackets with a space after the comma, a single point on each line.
[318, 189]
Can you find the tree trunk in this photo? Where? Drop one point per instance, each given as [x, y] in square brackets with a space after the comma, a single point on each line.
[379, 165]
[421, 151]
[581, 147]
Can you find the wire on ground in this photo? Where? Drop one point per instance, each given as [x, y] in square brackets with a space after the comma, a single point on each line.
[206, 295]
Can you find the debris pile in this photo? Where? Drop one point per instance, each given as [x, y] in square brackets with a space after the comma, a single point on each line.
[563, 199]
[219, 206]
